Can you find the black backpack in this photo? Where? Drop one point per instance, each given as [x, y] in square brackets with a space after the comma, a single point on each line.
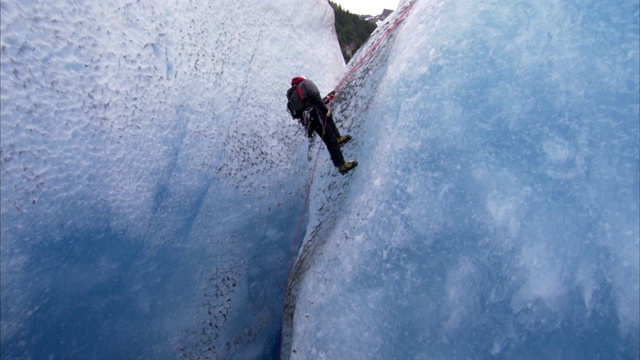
[292, 110]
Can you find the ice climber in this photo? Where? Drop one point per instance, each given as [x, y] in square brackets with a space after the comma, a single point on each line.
[306, 105]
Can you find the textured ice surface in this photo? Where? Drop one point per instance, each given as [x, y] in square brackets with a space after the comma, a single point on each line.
[495, 209]
[151, 182]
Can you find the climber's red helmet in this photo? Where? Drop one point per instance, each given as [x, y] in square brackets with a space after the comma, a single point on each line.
[297, 79]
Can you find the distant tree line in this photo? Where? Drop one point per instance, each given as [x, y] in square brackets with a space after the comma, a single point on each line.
[351, 29]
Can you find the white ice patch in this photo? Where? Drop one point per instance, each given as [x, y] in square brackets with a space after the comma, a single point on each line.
[460, 295]
[557, 150]
[543, 279]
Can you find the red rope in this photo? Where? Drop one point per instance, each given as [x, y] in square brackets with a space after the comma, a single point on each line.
[374, 46]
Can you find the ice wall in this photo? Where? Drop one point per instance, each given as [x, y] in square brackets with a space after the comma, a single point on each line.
[494, 212]
[151, 181]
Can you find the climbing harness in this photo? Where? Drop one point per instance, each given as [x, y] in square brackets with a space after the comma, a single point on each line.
[306, 119]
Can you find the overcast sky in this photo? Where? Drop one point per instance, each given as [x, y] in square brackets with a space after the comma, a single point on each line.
[367, 7]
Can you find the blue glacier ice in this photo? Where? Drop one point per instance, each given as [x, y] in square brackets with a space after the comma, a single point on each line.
[494, 213]
[152, 182]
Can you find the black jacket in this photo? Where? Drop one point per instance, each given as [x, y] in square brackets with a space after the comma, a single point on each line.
[305, 94]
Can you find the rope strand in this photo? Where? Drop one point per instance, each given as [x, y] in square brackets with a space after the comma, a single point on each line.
[374, 46]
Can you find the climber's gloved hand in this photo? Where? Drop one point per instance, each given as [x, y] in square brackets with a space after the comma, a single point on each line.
[328, 114]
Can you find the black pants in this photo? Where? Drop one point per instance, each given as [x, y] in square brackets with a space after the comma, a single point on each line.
[326, 128]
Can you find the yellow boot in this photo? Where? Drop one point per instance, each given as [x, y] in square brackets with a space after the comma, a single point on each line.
[343, 139]
[346, 167]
